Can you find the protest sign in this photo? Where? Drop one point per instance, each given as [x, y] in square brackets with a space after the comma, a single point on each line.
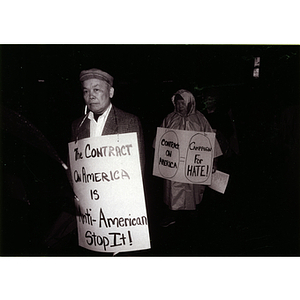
[184, 156]
[107, 182]
[219, 181]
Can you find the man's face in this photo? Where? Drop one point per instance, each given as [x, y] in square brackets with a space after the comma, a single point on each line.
[97, 94]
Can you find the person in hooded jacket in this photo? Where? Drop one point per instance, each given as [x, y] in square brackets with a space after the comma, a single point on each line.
[185, 196]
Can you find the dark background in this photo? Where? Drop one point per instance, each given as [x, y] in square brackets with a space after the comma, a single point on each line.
[258, 214]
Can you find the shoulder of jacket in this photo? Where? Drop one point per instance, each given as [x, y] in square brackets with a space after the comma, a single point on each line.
[170, 115]
[123, 114]
[77, 121]
[200, 114]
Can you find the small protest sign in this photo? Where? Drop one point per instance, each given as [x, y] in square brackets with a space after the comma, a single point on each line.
[107, 181]
[184, 156]
[219, 181]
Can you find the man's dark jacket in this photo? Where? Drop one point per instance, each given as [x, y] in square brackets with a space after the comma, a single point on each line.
[117, 121]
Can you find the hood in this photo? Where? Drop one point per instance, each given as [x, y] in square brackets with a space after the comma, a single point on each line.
[189, 100]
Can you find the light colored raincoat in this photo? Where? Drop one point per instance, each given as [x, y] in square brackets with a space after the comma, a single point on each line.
[177, 195]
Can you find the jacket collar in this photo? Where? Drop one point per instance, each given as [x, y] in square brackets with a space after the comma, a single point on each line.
[111, 125]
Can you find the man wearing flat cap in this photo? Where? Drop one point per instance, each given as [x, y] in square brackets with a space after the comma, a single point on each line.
[101, 117]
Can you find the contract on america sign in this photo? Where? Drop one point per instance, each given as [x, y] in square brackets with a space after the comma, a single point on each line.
[110, 200]
[184, 156]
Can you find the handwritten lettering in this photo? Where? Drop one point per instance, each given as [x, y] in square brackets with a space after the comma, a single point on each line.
[99, 176]
[167, 163]
[107, 151]
[197, 160]
[85, 218]
[192, 146]
[121, 221]
[93, 239]
[114, 239]
[170, 144]
[78, 155]
[197, 170]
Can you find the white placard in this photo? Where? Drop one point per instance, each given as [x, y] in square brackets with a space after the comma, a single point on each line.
[219, 181]
[107, 180]
[184, 156]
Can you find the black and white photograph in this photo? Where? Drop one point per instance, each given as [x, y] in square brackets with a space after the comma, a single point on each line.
[53, 96]
[149, 150]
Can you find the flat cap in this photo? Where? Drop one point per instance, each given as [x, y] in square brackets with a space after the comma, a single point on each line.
[96, 73]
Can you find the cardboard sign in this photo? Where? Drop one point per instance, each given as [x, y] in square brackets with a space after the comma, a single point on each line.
[219, 181]
[184, 156]
[107, 180]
